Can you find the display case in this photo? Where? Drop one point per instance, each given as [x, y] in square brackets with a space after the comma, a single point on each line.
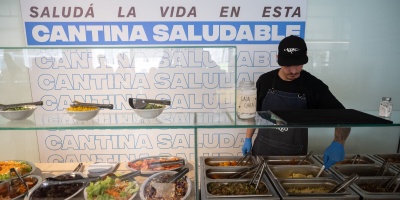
[200, 122]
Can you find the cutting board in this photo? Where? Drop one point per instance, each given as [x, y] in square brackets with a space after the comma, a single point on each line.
[327, 116]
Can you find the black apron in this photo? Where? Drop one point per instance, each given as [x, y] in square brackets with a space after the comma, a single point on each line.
[282, 141]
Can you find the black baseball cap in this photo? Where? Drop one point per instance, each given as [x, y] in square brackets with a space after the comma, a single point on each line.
[292, 50]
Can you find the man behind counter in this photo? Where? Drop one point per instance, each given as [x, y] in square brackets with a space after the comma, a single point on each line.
[290, 87]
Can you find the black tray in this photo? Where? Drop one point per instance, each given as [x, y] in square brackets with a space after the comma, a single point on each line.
[326, 117]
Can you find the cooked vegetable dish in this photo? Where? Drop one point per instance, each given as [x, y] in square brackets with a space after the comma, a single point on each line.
[310, 189]
[181, 188]
[153, 106]
[56, 192]
[21, 167]
[373, 187]
[110, 189]
[236, 188]
[18, 108]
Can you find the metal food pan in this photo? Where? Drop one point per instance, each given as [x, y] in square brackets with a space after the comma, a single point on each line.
[222, 173]
[236, 188]
[287, 171]
[289, 160]
[363, 159]
[303, 184]
[227, 161]
[382, 181]
[373, 186]
[393, 159]
[345, 171]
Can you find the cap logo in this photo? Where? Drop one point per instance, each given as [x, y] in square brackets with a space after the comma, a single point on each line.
[291, 50]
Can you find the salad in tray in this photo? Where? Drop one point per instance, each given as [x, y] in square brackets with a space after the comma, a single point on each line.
[110, 188]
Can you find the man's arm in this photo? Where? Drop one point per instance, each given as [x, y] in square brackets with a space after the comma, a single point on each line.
[250, 132]
[341, 135]
[335, 152]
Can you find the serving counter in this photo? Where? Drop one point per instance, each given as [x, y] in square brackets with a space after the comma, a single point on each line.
[46, 170]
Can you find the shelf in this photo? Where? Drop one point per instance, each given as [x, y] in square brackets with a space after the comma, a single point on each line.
[170, 120]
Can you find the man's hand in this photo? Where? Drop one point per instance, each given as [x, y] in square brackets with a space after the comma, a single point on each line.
[246, 146]
[333, 154]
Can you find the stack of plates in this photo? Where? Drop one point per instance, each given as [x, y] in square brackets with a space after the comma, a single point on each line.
[101, 168]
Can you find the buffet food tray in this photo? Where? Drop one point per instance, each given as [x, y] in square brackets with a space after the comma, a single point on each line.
[393, 159]
[364, 171]
[374, 182]
[363, 159]
[297, 171]
[213, 173]
[290, 160]
[286, 166]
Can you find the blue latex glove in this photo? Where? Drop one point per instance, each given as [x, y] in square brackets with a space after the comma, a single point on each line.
[246, 146]
[334, 153]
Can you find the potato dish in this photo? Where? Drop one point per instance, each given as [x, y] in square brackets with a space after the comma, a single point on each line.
[81, 108]
[299, 175]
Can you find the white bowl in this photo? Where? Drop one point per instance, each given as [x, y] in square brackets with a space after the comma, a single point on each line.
[149, 113]
[84, 115]
[18, 114]
[147, 181]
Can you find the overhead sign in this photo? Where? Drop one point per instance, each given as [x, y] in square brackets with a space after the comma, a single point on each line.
[143, 22]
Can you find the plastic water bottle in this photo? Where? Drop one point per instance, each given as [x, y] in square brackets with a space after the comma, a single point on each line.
[385, 107]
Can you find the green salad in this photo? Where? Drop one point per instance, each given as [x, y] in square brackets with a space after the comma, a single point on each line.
[110, 189]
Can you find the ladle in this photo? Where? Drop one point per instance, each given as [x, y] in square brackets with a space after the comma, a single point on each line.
[320, 171]
[346, 183]
[305, 158]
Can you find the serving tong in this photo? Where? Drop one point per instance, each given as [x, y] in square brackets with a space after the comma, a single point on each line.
[391, 182]
[12, 170]
[136, 103]
[305, 158]
[345, 183]
[167, 188]
[258, 174]
[243, 161]
[355, 158]
[384, 167]
[167, 163]
[5, 107]
[55, 181]
[77, 103]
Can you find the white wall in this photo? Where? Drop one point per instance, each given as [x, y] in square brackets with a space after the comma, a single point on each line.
[353, 47]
